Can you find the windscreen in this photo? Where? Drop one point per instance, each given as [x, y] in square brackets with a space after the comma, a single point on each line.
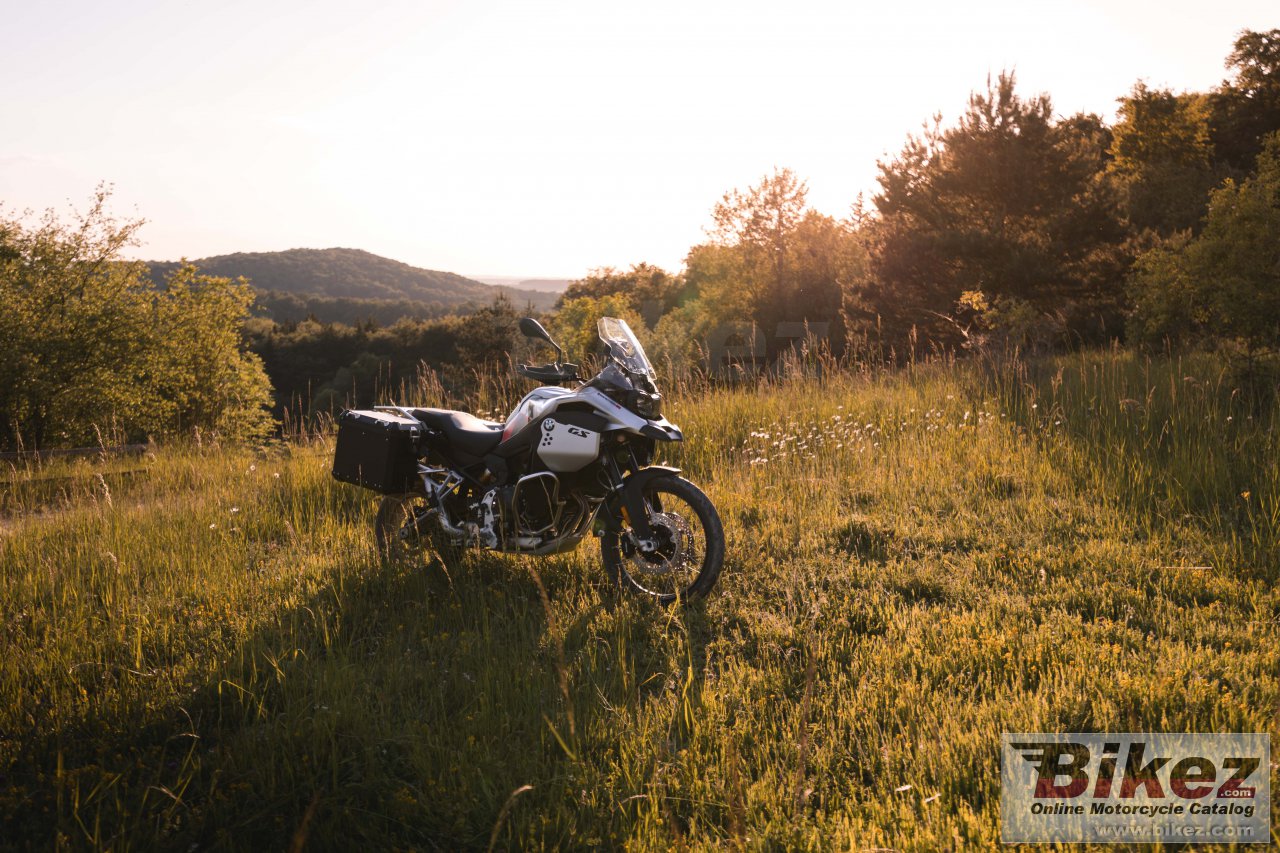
[623, 346]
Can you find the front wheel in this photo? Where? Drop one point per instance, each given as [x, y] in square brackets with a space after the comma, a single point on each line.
[689, 539]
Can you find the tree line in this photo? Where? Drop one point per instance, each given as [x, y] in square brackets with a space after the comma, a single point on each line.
[322, 367]
[1013, 227]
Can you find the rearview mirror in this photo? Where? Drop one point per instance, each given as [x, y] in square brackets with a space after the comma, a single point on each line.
[531, 328]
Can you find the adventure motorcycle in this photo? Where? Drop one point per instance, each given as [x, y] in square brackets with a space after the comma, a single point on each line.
[564, 464]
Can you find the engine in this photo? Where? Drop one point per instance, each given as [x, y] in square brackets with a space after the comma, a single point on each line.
[528, 516]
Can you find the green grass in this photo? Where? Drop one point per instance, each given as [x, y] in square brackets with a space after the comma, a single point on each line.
[200, 647]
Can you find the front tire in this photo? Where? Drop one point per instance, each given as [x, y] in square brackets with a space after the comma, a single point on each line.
[690, 550]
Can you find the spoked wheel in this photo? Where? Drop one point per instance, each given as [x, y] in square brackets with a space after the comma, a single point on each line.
[407, 530]
[690, 545]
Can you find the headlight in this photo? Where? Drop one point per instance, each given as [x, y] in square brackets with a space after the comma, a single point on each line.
[647, 405]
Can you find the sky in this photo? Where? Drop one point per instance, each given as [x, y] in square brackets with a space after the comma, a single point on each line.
[527, 139]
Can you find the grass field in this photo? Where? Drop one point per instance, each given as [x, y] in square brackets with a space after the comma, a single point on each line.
[200, 649]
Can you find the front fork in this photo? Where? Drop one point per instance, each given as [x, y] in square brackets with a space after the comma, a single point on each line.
[626, 503]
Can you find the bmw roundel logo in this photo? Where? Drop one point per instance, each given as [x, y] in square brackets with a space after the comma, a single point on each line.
[548, 425]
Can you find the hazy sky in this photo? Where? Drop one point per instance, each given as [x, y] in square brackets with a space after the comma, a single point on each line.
[535, 139]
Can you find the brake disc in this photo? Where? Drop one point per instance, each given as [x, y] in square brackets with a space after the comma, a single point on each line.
[675, 549]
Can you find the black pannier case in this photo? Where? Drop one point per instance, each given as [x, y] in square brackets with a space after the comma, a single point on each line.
[377, 450]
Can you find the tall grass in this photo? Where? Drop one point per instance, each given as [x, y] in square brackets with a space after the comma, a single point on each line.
[1178, 444]
[200, 648]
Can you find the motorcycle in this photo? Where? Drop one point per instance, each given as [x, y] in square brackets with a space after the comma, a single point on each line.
[566, 463]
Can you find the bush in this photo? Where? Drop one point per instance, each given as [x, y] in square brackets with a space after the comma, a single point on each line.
[93, 346]
[1222, 287]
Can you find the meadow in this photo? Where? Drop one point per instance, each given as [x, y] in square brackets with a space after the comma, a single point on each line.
[201, 650]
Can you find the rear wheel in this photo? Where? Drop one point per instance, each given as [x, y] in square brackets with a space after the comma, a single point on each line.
[689, 552]
[408, 530]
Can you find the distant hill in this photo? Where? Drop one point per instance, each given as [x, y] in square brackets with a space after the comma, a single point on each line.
[325, 277]
[548, 285]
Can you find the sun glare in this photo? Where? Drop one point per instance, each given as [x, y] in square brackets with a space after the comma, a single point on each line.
[521, 139]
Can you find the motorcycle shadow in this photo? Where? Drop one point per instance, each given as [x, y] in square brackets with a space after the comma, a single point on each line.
[398, 693]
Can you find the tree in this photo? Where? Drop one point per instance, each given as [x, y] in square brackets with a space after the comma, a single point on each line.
[714, 275]
[770, 259]
[1163, 158]
[759, 224]
[1246, 108]
[1010, 204]
[203, 376]
[649, 290]
[71, 312]
[713, 297]
[1223, 286]
[92, 344]
[487, 337]
[574, 325]
[828, 258]
[1170, 149]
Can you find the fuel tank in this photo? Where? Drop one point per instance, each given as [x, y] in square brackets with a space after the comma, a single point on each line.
[530, 407]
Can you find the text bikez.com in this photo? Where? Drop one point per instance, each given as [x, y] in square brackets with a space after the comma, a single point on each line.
[1076, 787]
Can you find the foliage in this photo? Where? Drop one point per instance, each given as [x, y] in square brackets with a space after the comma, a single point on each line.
[488, 336]
[282, 307]
[828, 258]
[679, 338]
[204, 378]
[1170, 149]
[771, 259]
[574, 325]
[1009, 202]
[759, 224]
[1247, 107]
[1163, 158]
[1225, 283]
[201, 649]
[715, 274]
[322, 367]
[649, 290]
[93, 348]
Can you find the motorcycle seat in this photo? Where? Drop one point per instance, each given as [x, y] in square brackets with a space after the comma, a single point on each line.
[465, 432]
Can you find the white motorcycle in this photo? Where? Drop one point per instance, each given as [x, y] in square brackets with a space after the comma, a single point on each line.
[565, 464]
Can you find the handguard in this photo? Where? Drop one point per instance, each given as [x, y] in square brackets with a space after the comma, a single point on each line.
[551, 373]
